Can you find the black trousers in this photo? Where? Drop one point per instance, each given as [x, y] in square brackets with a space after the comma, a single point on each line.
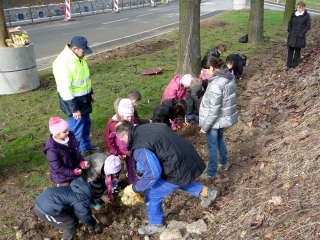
[293, 57]
[66, 224]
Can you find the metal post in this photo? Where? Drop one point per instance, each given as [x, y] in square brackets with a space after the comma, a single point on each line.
[92, 8]
[31, 15]
[49, 12]
[6, 4]
[9, 18]
[79, 9]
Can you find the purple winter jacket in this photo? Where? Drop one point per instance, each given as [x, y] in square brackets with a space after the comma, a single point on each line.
[62, 159]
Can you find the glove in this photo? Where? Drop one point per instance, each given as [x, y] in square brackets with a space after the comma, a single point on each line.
[77, 171]
[84, 164]
[97, 229]
[96, 206]
[174, 128]
[129, 191]
[131, 201]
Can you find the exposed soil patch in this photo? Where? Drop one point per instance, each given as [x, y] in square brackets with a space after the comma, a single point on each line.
[136, 49]
[271, 189]
[212, 24]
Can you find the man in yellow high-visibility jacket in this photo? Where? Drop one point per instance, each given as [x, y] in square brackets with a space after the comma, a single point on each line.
[73, 81]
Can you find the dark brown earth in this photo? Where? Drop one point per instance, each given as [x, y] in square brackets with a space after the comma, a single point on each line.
[272, 188]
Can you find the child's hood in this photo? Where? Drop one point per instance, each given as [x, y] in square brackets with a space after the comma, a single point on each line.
[80, 186]
[225, 73]
[49, 144]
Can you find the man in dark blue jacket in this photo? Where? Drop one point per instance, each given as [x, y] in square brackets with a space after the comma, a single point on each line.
[55, 206]
[168, 163]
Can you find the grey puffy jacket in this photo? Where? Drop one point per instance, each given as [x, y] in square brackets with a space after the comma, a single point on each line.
[218, 107]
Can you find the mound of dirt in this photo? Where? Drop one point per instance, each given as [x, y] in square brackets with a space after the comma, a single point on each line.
[136, 49]
[270, 191]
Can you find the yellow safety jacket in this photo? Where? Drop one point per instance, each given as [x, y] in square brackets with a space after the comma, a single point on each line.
[73, 82]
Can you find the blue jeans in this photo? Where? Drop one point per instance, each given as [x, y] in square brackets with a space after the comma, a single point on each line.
[215, 143]
[81, 130]
[192, 117]
[155, 195]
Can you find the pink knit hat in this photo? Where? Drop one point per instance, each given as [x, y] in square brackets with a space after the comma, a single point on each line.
[186, 80]
[57, 125]
[125, 107]
[112, 165]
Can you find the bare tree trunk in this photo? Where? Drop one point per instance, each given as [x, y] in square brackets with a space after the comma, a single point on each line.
[255, 27]
[189, 55]
[290, 6]
[3, 26]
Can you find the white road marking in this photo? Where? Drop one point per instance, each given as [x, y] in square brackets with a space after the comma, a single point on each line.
[116, 21]
[47, 57]
[150, 30]
[167, 9]
[144, 15]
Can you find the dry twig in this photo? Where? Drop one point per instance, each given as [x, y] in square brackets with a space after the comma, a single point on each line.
[298, 198]
[289, 215]
[3, 191]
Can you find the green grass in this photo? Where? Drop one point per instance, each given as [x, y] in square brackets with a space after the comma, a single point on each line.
[313, 4]
[24, 118]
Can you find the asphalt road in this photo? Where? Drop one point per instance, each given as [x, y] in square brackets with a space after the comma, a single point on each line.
[112, 30]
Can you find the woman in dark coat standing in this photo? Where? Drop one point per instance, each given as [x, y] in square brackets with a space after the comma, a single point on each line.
[298, 26]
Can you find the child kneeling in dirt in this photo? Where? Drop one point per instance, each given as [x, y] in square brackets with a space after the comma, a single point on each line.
[103, 175]
[239, 61]
[56, 206]
[169, 111]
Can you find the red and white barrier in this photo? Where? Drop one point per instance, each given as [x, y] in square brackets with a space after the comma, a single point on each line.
[115, 5]
[152, 3]
[68, 10]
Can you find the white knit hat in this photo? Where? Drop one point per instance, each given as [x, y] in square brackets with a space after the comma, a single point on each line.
[186, 80]
[112, 165]
[125, 107]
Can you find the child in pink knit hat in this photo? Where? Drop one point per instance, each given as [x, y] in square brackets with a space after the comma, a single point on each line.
[61, 149]
[177, 87]
[124, 111]
[112, 168]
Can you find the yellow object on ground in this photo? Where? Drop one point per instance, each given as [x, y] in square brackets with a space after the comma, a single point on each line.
[131, 201]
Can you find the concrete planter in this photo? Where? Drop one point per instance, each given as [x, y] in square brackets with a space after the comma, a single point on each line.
[18, 70]
[239, 4]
